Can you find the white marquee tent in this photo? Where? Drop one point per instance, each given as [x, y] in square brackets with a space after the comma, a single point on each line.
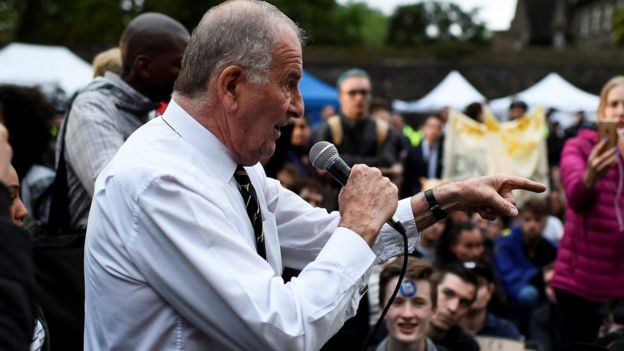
[552, 91]
[454, 91]
[46, 66]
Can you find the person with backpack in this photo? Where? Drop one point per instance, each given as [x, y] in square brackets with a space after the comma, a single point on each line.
[358, 137]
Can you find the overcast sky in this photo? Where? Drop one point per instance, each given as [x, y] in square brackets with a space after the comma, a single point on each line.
[496, 14]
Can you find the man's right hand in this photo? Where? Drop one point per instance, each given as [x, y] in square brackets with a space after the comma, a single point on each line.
[6, 153]
[367, 201]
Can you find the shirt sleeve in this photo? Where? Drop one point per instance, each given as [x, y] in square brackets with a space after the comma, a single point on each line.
[304, 230]
[217, 282]
[91, 140]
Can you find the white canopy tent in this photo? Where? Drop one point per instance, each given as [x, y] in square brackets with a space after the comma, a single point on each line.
[551, 92]
[45, 66]
[453, 91]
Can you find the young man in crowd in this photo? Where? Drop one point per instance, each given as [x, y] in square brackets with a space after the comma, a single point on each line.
[409, 315]
[523, 253]
[520, 257]
[456, 291]
[480, 321]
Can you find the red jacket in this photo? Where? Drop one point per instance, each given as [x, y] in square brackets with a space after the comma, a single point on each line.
[590, 261]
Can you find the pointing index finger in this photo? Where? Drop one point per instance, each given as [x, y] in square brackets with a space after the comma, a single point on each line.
[525, 184]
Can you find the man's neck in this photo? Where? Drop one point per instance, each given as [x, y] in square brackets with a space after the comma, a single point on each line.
[131, 80]
[431, 143]
[435, 333]
[394, 345]
[474, 321]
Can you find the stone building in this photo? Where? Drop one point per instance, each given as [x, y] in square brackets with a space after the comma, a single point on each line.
[580, 24]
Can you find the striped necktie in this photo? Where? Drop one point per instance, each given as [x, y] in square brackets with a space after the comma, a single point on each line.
[251, 205]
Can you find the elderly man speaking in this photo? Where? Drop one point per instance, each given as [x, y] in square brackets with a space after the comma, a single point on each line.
[187, 237]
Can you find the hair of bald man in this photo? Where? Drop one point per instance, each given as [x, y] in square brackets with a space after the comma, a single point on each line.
[149, 34]
[237, 32]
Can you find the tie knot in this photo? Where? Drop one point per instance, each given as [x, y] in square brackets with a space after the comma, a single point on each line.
[241, 176]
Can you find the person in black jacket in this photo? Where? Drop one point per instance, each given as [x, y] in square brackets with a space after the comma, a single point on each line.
[18, 304]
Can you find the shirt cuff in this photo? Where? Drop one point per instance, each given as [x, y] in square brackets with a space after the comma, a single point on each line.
[389, 242]
[357, 262]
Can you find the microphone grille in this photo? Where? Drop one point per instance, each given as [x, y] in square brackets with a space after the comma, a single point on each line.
[322, 154]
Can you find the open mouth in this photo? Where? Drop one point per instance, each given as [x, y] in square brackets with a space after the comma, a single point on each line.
[407, 328]
[281, 125]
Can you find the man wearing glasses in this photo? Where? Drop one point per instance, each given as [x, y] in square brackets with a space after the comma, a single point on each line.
[358, 137]
[457, 290]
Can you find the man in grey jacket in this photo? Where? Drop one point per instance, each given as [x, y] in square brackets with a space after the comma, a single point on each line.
[111, 108]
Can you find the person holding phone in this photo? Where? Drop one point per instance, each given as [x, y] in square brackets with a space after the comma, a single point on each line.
[590, 264]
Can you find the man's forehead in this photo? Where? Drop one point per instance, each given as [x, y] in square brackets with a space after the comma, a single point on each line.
[355, 81]
[458, 285]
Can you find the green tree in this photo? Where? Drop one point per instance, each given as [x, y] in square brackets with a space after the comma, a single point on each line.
[88, 26]
[618, 26]
[328, 23]
[435, 22]
[408, 26]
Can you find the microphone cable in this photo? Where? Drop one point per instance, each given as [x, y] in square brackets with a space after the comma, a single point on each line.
[399, 228]
[324, 155]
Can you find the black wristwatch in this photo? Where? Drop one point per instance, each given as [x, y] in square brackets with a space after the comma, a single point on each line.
[434, 207]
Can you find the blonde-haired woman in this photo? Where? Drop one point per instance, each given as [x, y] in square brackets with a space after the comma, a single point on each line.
[589, 269]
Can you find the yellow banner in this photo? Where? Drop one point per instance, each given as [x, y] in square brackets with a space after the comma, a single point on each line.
[514, 147]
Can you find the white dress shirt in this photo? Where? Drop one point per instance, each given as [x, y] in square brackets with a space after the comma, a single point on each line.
[170, 257]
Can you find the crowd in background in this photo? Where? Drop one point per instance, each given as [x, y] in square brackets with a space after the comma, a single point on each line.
[550, 277]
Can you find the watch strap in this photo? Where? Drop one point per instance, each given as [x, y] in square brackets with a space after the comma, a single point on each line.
[434, 207]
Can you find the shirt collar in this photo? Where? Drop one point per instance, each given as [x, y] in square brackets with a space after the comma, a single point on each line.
[200, 138]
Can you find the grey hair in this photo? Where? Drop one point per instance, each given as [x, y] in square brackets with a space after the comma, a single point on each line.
[353, 72]
[237, 32]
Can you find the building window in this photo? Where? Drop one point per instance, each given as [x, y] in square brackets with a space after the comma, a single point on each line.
[584, 24]
[607, 18]
[596, 20]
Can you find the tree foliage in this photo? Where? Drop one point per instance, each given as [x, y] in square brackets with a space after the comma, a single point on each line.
[618, 26]
[435, 22]
[88, 26]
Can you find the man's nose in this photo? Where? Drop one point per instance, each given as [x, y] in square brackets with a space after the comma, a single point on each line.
[453, 304]
[296, 105]
[407, 311]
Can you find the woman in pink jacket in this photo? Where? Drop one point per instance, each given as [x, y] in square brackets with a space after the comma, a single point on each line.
[589, 269]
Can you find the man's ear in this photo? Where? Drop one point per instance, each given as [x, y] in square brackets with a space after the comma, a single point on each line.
[229, 87]
[141, 66]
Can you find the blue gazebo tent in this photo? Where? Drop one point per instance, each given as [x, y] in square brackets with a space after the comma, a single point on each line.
[316, 95]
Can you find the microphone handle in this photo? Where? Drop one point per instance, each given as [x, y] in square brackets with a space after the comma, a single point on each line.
[340, 171]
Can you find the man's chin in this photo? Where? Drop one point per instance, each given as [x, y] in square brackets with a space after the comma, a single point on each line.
[267, 151]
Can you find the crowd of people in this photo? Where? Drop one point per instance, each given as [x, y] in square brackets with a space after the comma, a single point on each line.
[181, 178]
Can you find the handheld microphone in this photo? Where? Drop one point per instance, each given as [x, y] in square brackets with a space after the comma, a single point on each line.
[324, 155]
